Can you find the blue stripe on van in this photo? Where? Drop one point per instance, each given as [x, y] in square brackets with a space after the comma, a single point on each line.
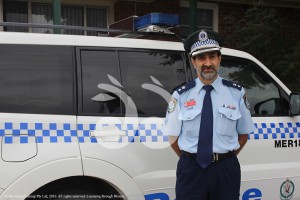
[67, 133]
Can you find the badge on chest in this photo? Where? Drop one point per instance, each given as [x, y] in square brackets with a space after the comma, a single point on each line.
[190, 104]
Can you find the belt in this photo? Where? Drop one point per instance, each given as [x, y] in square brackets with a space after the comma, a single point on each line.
[215, 156]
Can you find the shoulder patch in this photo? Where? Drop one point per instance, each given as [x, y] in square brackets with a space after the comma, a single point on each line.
[186, 87]
[231, 84]
[172, 105]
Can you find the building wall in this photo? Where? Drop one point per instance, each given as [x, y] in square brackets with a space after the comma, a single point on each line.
[109, 4]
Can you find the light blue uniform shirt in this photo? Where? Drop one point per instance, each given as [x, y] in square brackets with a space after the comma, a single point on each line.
[231, 116]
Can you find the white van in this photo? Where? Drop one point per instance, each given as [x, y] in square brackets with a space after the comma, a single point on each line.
[81, 118]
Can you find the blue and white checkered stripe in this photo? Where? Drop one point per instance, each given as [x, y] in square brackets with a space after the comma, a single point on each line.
[134, 133]
[67, 133]
[275, 131]
[38, 132]
[22, 133]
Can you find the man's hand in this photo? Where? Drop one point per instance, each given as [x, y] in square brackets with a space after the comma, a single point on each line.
[174, 144]
[243, 138]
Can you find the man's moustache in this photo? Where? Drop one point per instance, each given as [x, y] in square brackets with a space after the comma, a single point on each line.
[207, 67]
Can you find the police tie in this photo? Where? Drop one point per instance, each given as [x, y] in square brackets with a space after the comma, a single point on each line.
[205, 151]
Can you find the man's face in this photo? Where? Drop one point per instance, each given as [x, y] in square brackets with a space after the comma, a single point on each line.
[207, 65]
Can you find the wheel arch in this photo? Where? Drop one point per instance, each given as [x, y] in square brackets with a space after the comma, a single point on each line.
[42, 175]
[118, 178]
[65, 170]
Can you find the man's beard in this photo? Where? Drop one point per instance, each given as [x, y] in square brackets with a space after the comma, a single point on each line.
[207, 76]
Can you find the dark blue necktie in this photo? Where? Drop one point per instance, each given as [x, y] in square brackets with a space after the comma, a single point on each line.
[205, 151]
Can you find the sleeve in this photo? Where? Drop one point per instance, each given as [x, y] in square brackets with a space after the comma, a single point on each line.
[245, 124]
[172, 124]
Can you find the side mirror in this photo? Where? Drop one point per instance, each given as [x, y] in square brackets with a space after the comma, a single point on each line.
[294, 104]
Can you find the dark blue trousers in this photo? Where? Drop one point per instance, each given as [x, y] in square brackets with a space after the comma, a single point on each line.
[219, 181]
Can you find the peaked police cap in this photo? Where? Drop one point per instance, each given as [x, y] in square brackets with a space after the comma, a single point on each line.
[202, 41]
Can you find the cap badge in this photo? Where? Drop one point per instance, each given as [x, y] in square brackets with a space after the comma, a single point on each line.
[203, 36]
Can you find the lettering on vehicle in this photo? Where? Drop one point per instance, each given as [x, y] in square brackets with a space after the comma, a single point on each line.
[287, 143]
[252, 194]
[157, 196]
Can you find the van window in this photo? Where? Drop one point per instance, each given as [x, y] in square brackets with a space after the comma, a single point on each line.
[262, 93]
[36, 79]
[146, 74]
[99, 75]
[111, 79]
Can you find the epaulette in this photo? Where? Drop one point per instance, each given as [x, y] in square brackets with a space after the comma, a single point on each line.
[186, 87]
[231, 84]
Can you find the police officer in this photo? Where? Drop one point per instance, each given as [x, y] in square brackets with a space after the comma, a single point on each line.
[208, 122]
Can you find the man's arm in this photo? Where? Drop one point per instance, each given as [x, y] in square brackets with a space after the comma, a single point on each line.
[243, 138]
[174, 144]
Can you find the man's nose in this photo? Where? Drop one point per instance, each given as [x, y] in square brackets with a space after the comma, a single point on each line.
[207, 61]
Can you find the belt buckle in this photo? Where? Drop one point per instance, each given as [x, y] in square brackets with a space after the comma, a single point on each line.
[215, 157]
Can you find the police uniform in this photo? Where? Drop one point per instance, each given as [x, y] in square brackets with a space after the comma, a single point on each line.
[231, 116]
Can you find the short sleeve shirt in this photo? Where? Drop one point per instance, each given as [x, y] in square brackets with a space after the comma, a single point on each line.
[230, 110]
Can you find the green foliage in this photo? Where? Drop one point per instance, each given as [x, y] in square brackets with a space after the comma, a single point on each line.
[261, 32]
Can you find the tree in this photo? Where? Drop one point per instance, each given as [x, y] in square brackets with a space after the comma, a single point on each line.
[261, 32]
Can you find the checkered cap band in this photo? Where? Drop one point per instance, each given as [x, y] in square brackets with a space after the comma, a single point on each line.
[203, 46]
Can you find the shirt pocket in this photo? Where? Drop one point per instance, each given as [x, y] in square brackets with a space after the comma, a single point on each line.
[190, 122]
[227, 120]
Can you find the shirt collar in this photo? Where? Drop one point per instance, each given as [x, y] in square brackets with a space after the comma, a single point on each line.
[216, 84]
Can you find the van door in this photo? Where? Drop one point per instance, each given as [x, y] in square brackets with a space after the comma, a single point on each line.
[123, 97]
[270, 160]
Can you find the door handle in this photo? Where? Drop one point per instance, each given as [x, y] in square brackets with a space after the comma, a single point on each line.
[108, 134]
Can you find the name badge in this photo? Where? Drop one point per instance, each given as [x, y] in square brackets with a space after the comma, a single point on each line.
[229, 106]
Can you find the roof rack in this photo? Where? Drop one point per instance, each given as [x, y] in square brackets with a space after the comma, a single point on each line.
[151, 31]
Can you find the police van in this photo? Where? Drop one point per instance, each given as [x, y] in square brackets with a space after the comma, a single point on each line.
[81, 118]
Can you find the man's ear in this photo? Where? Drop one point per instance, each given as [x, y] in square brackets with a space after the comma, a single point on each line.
[193, 62]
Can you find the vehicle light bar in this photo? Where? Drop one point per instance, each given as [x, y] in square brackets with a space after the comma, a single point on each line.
[160, 19]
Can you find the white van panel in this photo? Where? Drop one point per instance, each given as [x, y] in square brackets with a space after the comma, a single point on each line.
[261, 149]
[55, 139]
[269, 189]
